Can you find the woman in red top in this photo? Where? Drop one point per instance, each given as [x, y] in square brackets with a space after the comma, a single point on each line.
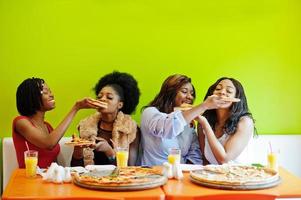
[34, 99]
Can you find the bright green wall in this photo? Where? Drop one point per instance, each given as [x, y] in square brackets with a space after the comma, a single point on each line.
[72, 43]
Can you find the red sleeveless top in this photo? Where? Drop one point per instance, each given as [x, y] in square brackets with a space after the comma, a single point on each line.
[45, 156]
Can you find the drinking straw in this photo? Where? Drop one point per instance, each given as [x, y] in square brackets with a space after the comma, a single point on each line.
[271, 149]
[27, 147]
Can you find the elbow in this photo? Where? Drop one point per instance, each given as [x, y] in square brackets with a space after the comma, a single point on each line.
[49, 145]
[223, 160]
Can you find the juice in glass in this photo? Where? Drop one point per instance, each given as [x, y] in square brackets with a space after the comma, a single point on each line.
[174, 156]
[122, 156]
[31, 162]
[272, 161]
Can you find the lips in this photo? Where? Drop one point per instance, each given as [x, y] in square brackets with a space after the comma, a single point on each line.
[52, 101]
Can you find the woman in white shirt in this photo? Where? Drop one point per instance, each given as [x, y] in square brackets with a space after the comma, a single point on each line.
[162, 127]
[226, 133]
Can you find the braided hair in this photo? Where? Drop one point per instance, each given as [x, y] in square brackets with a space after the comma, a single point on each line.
[29, 97]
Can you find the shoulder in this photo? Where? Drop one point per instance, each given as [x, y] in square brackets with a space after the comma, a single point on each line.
[246, 120]
[150, 109]
[245, 126]
[90, 120]
[125, 118]
[21, 120]
[149, 112]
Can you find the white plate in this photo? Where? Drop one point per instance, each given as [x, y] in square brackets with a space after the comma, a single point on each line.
[100, 167]
[77, 169]
[190, 167]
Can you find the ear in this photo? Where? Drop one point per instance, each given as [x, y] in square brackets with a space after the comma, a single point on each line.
[120, 105]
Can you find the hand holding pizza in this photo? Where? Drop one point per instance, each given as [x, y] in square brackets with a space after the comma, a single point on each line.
[90, 103]
[103, 146]
[215, 102]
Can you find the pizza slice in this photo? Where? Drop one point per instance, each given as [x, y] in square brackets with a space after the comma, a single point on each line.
[77, 141]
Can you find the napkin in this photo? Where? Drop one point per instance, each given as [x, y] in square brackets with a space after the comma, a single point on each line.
[57, 174]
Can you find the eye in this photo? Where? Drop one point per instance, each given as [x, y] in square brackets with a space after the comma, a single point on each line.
[110, 97]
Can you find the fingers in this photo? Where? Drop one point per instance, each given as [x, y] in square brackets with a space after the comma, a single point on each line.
[97, 103]
[230, 99]
[114, 144]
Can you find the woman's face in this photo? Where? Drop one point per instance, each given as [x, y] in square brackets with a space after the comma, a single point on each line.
[184, 95]
[109, 95]
[48, 102]
[225, 88]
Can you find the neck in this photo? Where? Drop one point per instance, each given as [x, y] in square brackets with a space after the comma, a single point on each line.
[38, 121]
[222, 116]
[107, 121]
[38, 117]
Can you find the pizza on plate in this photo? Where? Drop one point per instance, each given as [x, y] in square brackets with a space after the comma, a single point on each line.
[125, 176]
[77, 141]
[234, 175]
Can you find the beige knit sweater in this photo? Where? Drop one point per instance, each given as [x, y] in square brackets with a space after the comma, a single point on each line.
[123, 133]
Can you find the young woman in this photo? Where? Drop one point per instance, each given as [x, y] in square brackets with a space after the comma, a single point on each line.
[225, 134]
[30, 130]
[163, 128]
[110, 125]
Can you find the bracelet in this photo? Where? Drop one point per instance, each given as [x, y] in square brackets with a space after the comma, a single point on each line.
[111, 158]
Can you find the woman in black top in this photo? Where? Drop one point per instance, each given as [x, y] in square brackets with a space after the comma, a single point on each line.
[112, 124]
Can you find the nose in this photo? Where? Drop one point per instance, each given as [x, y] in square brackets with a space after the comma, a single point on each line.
[103, 98]
[223, 92]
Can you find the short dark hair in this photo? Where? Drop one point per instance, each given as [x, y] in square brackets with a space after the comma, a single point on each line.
[29, 97]
[237, 110]
[126, 87]
[165, 100]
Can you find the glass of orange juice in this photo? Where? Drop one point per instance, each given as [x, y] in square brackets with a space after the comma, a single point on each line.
[174, 156]
[31, 162]
[273, 160]
[122, 156]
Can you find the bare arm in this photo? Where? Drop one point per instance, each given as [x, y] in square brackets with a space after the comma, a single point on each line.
[201, 138]
[212, 102]
[47, 141]
[236, 143]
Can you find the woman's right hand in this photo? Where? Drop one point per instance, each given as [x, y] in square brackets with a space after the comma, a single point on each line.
[88, 103]
[214, 102]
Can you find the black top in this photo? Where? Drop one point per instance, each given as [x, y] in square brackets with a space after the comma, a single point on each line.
[100, 158]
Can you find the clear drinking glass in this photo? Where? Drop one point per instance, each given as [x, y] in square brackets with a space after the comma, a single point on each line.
[31, 162]
[174, 156]
[122, 156]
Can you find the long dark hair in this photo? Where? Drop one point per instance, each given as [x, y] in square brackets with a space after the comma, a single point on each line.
[29, 97]
[165, 100]
[237, 110]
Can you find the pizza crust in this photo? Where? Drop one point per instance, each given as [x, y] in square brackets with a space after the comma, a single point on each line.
[234, 175]
[121, 177]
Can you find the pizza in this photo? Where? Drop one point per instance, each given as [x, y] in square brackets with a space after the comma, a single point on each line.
[77, 141]
[230, 99]
[234, 175]
[98, 103]
[184, 106]
[133, 176]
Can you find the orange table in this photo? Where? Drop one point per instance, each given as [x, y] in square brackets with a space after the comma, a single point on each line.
[20, 187]
[290, 187]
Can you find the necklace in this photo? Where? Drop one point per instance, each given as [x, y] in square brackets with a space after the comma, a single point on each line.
[42, 128]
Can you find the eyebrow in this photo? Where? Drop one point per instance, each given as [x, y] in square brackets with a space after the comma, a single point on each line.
[226, 86]
[230, 87]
